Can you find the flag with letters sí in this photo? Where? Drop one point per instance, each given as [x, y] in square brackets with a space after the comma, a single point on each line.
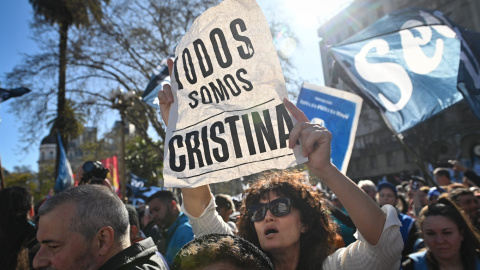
[411, 64]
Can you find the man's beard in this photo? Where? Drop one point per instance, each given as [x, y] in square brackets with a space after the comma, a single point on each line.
[167, 220]
[83, 261]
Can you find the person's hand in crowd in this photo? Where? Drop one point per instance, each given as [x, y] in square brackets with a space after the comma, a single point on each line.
[316, 141]
[457, 166]
[165, 96]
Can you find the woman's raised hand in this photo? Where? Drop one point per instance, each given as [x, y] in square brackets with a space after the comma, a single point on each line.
[314, 138]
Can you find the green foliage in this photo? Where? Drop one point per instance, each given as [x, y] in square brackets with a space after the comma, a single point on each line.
[70, 12]
[39, 183]
[143, 160]
[96, 150]
[74, 120]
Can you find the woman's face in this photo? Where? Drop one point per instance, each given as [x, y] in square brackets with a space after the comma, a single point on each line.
[386, 196]
[442, 237]
[280, 234]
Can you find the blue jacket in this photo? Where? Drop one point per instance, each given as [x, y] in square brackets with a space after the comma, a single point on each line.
[178, 234]
[420, 261]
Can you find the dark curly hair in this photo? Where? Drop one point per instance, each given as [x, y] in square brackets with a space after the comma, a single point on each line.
[213, 248]
[319, 240]
[15, 230]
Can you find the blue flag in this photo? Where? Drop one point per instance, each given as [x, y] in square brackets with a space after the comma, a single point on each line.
[136, 183]
[65, 175]
[155, 84]
[9, 93]
[409, 64]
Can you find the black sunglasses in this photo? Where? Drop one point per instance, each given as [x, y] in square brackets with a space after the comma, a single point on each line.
[279, 207]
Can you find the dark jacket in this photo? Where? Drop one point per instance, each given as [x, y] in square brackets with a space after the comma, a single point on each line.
[141, 255]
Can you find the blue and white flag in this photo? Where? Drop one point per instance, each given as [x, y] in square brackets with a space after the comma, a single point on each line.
[9, 93]
[159, 78]
[407, 64]
[336, 110]
[136, 181]
[65, 175]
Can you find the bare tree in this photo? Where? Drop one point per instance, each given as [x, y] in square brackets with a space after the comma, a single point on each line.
[122, 50]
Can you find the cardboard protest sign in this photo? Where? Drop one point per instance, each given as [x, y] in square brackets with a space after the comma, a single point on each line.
[228, 119]
[336, 110]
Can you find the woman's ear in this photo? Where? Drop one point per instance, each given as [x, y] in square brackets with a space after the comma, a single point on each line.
[304, 228]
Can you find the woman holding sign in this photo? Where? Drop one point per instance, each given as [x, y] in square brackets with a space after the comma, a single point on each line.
[287, 219]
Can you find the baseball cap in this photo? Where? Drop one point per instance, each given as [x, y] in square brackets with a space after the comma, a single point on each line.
[387, 185]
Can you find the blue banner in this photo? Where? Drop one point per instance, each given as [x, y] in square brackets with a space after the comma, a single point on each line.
[336, 110]
[9, 93]
[406, 63]
[65, 176]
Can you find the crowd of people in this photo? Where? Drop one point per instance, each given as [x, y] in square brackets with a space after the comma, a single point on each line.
[282, 222]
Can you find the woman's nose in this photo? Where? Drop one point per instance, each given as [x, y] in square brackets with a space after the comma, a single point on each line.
[269, 216]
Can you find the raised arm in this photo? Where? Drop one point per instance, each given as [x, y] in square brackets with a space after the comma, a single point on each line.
[195, 200]
[316, 140]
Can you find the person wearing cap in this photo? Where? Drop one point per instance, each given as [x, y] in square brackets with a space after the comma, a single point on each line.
[225, 208]
[433, 194]
[345, 224]
[388, 195]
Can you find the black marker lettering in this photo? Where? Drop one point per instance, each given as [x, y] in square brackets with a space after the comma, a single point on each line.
[198, 44]
[181, 158]
[249, 47]
[216, 48]
[222, 142]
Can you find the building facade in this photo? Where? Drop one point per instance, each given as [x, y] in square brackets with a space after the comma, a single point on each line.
[452, 134]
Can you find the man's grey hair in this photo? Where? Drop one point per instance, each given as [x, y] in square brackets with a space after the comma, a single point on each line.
[367, 183]
[96, 206]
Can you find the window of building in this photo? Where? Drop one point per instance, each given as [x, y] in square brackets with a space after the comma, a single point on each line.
[373, 162]
[390, 159]
[408, 157]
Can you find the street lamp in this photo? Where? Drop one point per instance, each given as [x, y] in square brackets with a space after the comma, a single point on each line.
[121, 100]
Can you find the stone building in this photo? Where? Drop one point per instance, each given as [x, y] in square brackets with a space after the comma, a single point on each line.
[452, 134]
[48, 149]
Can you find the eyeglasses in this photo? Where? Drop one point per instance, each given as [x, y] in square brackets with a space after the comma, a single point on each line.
[279, 207]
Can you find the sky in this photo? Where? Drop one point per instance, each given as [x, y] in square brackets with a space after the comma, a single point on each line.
[303, 15]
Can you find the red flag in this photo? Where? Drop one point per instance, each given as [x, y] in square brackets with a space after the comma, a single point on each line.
[111, 164]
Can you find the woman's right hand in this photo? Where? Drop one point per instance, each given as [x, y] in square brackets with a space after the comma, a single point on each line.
[165, 96]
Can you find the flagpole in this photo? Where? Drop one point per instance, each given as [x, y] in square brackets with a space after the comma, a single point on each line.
[2, 177]
[123, 181]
